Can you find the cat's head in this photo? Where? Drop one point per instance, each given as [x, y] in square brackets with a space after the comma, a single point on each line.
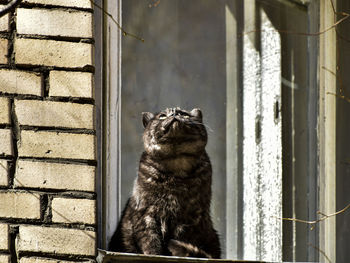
[174, 132]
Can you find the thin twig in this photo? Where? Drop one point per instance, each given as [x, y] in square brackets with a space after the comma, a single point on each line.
[321, 251]
[320, 213]
[154, 4]
[338, 212]
[324, 217]
[346, 16]
[336, 23]
[337, 77]
[333, 7]
[125, 33]
[9, 7]
[339, 96]
[3, 166]
[330, 71]
[342, 37]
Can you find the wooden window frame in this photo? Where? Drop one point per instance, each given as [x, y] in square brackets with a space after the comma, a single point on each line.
[107, 88]
[327, 131]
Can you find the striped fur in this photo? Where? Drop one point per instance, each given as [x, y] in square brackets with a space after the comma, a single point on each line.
[169, 210]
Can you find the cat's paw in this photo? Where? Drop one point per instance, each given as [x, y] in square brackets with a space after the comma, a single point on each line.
[182, 249]
[177, 248]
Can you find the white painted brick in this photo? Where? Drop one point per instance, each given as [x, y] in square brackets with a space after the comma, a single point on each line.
[20, 82]
[52, 22]
[5, 258]
[57, 145]
[4, 237]
[47, 260]
[6, 142]
[56, 240]
[52, 53]
[71, 84]
[3, 50]
[3, 173]
[5, 117]
[55, 176]
[66, 3]
[19, 205]
[65, 210]
[56, 114]
[4, 22]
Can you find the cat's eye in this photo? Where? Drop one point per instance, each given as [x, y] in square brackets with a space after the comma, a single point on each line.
[186, 116]
[162, 117]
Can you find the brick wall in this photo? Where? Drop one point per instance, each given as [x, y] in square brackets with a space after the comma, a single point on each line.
[47, 136]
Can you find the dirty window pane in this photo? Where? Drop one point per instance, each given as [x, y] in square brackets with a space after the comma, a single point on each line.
[193, 57]
[181, 63]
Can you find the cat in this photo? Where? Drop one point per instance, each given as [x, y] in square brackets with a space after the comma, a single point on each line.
[169, 210]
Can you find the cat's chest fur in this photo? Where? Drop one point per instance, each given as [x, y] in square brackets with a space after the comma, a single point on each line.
[172, 184]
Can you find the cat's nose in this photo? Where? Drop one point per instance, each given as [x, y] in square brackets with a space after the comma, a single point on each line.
[171, 112]
[167, 123]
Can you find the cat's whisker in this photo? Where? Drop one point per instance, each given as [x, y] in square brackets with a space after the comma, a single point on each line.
[209, 129]
[205, 125]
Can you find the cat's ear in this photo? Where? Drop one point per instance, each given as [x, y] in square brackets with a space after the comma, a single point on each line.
[146, 117]
[197, 113]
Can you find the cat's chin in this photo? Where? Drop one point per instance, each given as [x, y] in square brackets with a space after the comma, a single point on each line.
[177, 134]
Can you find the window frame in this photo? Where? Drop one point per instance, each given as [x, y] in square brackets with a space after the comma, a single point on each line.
[321, 144]
[107, 90]
[327, 130]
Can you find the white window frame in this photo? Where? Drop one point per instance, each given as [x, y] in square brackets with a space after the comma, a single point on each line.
[327, 131]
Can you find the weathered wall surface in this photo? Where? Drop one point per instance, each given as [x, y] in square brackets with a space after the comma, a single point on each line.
[47, 136]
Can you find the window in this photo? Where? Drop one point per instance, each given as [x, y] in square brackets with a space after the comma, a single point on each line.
[259, 81]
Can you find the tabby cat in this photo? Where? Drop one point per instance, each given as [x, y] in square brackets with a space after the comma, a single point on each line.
[169, 210]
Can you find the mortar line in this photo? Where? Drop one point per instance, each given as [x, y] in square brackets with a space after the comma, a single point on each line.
[38, 222]
[57, 7]
[45, 209]
[5, 35]
[55, 256]
[58, 129]
[12, 36]
[85, 40]
[76, 100]
[54, 193]
[14, 230]
[15, 139]
[45, 83]
[60, 160]
[39, 68]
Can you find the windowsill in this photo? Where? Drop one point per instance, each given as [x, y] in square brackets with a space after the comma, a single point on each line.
[114, 257]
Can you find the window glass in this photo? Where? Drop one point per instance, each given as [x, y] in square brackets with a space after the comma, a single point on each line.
[196, 54]
[181, 63]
